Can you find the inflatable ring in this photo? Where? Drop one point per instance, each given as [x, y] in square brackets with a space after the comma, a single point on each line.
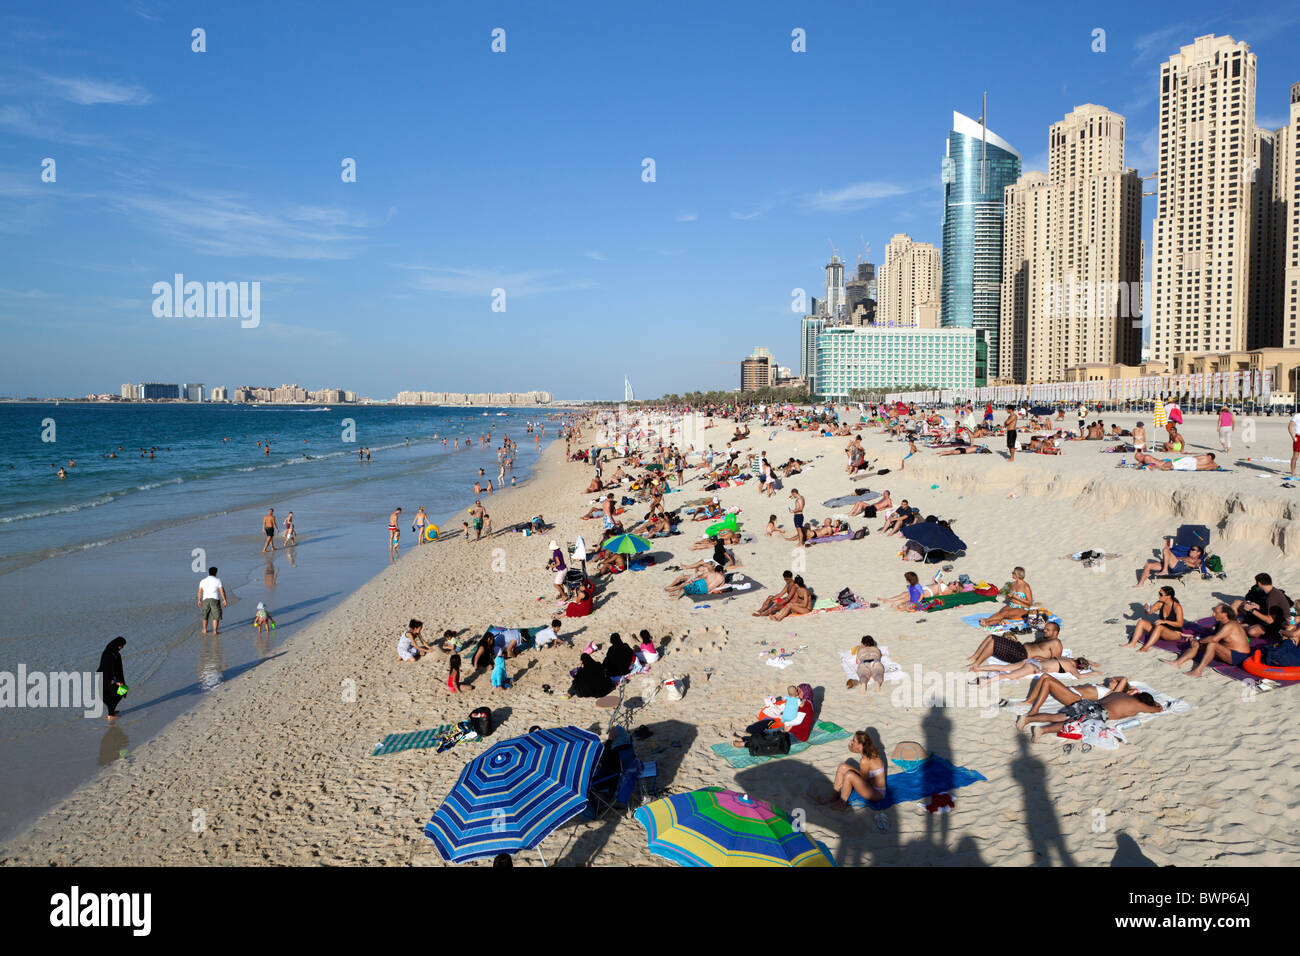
[1254, 666]
[430, 532]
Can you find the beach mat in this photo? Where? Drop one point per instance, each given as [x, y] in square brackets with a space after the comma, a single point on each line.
[414, 740]
[946, 601]
[1202, 628]
[973, 620]
[737, 584]
[823, 733]
[845, 500]
[921, 781]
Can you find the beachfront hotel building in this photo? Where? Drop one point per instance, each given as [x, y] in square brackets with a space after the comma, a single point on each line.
[978, 167]
[1202, 230]
[850, 358]
[758, 370]
[1072, 255]
[910, 277]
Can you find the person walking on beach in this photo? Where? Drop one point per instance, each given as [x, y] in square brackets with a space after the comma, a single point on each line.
[111, 678]
[269, 527]
[1010, 425]
[477, 514]
[1226, 427]
[290, 534]
[394, 532]
[1293, 428]
[212, 598]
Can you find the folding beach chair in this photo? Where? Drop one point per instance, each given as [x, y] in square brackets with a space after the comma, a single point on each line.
[620, 789]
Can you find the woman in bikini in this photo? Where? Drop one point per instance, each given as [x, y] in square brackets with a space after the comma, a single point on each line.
[1050, 686]
[1167, 625]
[870, 668]
[867, 776]
[1032, 667]
[1019, 600]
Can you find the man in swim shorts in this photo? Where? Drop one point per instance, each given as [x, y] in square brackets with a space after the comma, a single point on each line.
[1227, 643]
[1010, 426]
[394, 532]
[268, 526]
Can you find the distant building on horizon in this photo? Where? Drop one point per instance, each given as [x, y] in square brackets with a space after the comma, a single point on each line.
[809, 328]
[758, 370]
[219, 393]
[474, 398]
[192, 391]
[977, 168]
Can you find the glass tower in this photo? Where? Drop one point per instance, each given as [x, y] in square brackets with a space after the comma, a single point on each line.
[978, 166]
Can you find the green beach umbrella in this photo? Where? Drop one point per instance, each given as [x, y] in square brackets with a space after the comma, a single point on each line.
[626, 544]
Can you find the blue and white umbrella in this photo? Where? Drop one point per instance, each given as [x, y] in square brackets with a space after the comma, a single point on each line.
[511, 796]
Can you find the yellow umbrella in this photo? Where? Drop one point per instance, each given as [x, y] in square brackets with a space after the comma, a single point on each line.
[1159, 419]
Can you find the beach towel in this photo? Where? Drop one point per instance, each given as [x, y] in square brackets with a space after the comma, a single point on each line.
[1202, 628]
[945, 601]
[919, 781]
[736, 584]
[823, 733]
[846, 500]
[973, 620]
[846, 536]
[893, 670]
[421, 739]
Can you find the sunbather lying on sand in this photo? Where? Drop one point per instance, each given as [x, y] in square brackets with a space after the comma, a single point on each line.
[1049, 686]
[964, 450]
[1031, 667]
[1114, 706]
[1204, 462]
[708, 581]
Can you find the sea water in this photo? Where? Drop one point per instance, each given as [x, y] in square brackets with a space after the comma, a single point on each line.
[119, 545]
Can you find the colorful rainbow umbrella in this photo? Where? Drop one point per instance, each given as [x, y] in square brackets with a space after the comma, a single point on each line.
[511, 796]
[626, 544]
[717, 827]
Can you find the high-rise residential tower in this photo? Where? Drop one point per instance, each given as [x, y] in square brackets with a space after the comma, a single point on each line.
[911, 276]
[1287, 196]
[1072, 263]
[835, 299]
[1202, 229]
[860, 292]
[977, 169]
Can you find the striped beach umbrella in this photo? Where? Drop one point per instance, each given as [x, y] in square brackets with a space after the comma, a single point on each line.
[511, 796]
[1158, 417]
[717, 827]
[626, 544]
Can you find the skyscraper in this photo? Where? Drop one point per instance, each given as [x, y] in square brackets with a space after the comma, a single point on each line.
[978, 167]
[860, 292]
[1202, 229]
[1072, 260]
[835, 300]
[1287, 196]
[910, 277]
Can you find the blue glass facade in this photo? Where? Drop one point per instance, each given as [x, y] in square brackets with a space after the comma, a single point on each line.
[972, 230]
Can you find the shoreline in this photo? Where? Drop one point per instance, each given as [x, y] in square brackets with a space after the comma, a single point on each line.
[279, 767]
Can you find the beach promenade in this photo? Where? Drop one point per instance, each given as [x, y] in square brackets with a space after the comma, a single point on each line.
[275, 766]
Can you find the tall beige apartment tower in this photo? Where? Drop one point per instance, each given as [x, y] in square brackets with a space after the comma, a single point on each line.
[1072, 275]
[1286, 157]
[1202, 229]
[910, 277]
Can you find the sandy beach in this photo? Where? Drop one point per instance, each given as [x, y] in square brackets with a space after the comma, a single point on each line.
[275, 767]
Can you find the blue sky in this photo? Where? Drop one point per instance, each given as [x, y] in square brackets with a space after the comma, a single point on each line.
[519, 170]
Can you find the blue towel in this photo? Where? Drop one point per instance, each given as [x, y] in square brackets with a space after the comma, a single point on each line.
[973, 620]
[933, 775]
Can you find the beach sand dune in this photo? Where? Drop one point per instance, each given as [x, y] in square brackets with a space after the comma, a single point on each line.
[275, 767]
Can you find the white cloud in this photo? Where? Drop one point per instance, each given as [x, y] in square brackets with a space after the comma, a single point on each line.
[90, 92]
[598, 256]
[854, 197]
[746, 216]
[18, 120]
[688, 217]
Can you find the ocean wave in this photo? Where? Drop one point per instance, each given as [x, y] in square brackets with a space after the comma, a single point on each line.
[66, 509]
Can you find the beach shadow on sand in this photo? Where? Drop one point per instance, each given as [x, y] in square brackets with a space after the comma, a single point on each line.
[198, 688]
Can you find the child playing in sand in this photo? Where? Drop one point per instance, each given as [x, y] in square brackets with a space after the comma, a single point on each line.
[772, 526]
[646, 649]
[453, 675]
[499, 678]
[262, 620]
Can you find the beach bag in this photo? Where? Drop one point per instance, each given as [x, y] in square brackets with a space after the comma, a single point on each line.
[1214, 564]
[860, 534]
[764, 744]
[846, 598]
[480, 720]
